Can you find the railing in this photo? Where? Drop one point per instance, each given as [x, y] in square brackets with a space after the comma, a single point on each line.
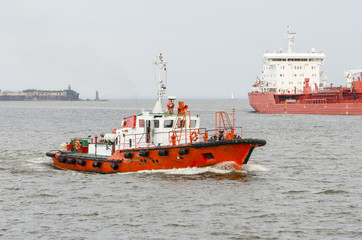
[183, 136]
[181, 133]
[133, 140]
[315, 101]
[220, 134]
[222, 121]
[170, 138]
[174, 138]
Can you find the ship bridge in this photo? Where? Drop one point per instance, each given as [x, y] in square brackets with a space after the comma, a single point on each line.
[285, 72]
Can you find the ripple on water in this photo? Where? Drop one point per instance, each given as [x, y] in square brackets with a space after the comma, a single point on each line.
[332, 192]
[304, 184]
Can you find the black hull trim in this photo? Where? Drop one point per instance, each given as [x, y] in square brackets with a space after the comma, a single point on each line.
[258, 142]
[78, 156]
[249, 154]
[50, 154]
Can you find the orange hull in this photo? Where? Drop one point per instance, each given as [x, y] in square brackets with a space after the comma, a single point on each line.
[196, 155]
[264, 102]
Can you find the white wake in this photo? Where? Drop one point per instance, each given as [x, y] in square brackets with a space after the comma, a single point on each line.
[220, 168]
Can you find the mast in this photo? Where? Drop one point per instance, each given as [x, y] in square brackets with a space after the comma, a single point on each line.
[290, 37]
[161, 87]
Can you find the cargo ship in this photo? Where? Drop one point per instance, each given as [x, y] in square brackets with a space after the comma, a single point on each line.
[159, 139]
[292, 83]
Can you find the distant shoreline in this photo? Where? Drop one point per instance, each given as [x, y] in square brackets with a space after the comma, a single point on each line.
[40, 95]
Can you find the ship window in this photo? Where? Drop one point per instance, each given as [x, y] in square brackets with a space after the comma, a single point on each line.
[193, 123]
[168, 124]
[156, 123]
[141, 123]
[208, 156]
[180, 123]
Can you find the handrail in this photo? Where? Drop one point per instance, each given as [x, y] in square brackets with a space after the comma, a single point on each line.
[192, 135]
[182, 136]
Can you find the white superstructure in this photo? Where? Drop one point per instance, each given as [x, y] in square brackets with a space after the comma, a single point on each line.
[153, 128]
[352, 74]
[285, 72]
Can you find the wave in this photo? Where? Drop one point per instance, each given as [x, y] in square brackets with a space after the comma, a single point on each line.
[255, 168]
[38, 160]
[220, 168]
[331, 191]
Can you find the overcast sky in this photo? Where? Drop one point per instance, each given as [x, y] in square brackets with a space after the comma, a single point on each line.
[213, 48]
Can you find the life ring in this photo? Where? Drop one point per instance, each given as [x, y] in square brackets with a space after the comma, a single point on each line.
[78, 145]
[194, 136]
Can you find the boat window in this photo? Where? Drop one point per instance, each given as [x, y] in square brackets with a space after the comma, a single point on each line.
[156, 123]
[208, 156]
[180, 123]
[193, 123]
[168, 124]
[141, 123]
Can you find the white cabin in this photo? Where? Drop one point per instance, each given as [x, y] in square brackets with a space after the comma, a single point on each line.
[285, 72]
[152, 128]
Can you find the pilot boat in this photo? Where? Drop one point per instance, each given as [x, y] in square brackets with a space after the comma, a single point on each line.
[158, 139]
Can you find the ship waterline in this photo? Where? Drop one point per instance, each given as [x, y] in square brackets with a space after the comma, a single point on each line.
[264, 102]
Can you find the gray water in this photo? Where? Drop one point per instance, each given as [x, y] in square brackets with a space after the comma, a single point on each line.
[306, 183]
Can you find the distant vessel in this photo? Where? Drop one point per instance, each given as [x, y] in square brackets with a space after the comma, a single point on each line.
[290, 84]
[158, 140]
[232, 95]
[40, 95]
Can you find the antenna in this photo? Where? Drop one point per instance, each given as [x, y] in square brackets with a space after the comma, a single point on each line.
[290, 37]
[161, 86]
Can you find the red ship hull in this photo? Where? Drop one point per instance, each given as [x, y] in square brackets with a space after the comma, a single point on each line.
[237, 151]
[265, 102]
